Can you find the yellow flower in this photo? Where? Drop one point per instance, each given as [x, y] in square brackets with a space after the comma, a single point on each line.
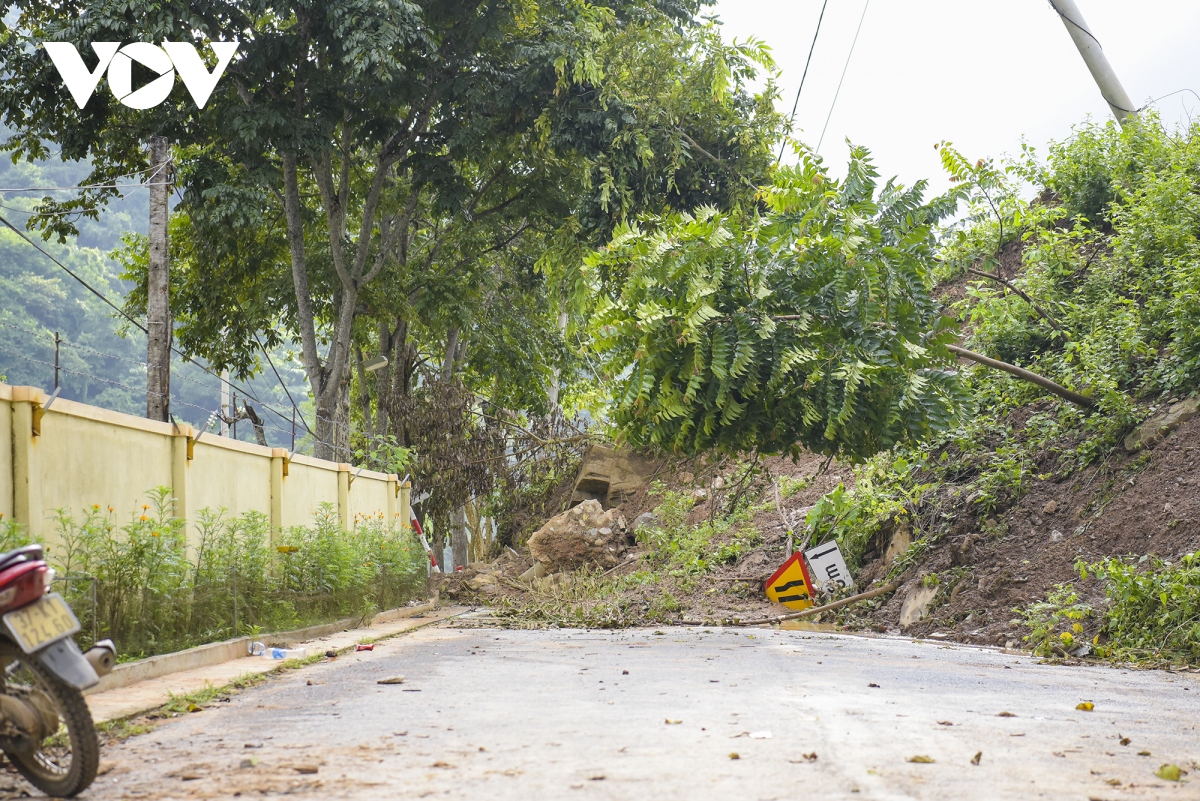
[95, 506]
[144, 518]
[153, 533]
[145, 506]
[110, 508]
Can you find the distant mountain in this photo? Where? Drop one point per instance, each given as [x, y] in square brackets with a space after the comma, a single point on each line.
[101, 356]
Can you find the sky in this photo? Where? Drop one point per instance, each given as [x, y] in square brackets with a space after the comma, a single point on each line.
[983, 74]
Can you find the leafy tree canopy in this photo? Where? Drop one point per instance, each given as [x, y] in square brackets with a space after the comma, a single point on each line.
[808, 323]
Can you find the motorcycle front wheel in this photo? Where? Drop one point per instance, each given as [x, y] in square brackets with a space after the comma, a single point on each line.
[64, 763]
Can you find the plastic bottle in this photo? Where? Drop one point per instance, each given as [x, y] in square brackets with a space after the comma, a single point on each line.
[258, 649]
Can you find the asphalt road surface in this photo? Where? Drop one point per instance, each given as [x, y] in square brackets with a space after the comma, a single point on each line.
[676, 714]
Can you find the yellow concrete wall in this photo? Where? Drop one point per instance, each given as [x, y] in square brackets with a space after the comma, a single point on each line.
[6, 452]
[81, 463]
[81, 455]
[228, 474]
[310, 483]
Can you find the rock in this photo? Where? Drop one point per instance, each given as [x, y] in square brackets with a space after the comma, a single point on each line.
[686, 478]
[718, 483]
[1154, 430]
[609, 475]
[916, 604]
[644, 520]
[583, 535]
[536, 572]
[699, 496]
[900, 541]
[481, 581]
[1056, 535]
[1050, 508]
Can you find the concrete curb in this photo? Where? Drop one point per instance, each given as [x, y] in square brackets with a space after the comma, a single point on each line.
[218, 653]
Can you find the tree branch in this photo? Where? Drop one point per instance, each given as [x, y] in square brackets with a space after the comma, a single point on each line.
[1019, 293]
[1025, 375]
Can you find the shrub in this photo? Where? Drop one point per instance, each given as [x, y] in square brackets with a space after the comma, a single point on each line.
[143, 586]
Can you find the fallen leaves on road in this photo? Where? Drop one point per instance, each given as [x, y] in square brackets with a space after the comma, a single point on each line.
[1170, 772]
[670, 722]
[249, 763]
[945, 723]
[1124, 740]
[306, 770]
[734, 755]
[978, 756]
[1113, 782]
[1005, 715]
[921, 759]
[391, 680]
[873, 684]
[441, 764]
[1143, 753]
[811, 757]
[1085, 706]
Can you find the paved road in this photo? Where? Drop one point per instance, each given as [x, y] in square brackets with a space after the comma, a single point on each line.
[640, 714]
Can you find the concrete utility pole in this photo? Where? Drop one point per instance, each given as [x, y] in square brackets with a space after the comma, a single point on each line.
[158, 305]
[1093, 55]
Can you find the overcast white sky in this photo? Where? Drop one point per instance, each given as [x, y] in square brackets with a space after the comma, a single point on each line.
[980, 73]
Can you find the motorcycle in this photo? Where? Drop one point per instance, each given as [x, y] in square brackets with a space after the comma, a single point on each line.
[46, 729]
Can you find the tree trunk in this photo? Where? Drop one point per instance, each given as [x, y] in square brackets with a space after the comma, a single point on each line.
[1025, 375]
[451, 355]
[458, 539]
[158, 303]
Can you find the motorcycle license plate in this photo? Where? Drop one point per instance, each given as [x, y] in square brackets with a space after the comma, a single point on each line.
[44, 621]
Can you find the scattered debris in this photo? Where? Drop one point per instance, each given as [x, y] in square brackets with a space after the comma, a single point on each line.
[583, 535]
[922, 759]
[1170, 772]
[1085, 706]
[391, 680]
[978, 756]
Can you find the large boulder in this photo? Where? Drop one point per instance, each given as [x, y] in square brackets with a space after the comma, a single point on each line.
[1156, 429]
[611, 475]
[583, 535]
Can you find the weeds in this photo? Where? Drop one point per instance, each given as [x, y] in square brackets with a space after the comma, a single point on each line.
[143, 586]
[1150, 612]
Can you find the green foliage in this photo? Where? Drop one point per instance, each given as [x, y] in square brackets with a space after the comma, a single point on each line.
[1152, 608]
[1056, 625]
[679, 547]
[1122, 289]
[1150, 612]
[810, 324]
[881, 495]
[143, 586]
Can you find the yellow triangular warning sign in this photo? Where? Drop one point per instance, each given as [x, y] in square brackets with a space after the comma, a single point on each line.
[790, 584]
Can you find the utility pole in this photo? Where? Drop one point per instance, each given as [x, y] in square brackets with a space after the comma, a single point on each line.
[1093, 55]
[158, 305]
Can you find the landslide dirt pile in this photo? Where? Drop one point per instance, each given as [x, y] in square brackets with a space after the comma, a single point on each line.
[671, 550]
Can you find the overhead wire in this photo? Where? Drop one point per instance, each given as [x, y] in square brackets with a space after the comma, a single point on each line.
[807, 61]
[125, 315]
[829, 116]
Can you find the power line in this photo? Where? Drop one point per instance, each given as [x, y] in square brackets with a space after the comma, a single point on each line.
[807, 61]
[126, 316]
[828, 117]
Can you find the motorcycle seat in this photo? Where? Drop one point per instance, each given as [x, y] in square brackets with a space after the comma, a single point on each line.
[26, 553]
